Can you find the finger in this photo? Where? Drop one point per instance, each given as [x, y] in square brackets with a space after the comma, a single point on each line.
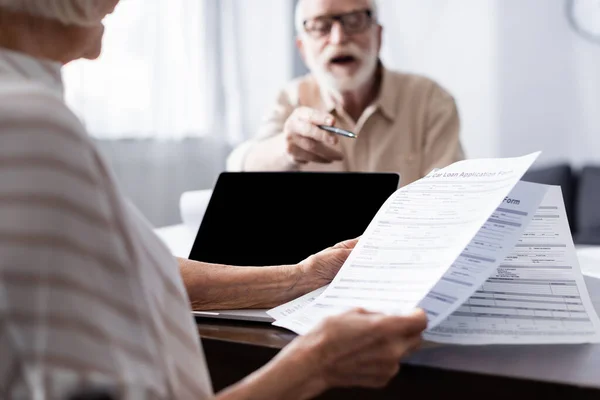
[360, 328]
[417, 320]
[302, 156]
[361, 335]
[304, 122]
[402, 348]
[305, 127]
[403, 325]
[316, 147]
[346, 333]
[347, 244]
[316, 117]
[336, 258]
[336, 255]
[356, 311]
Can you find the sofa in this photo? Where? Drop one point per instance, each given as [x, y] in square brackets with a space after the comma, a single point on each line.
[581, 193]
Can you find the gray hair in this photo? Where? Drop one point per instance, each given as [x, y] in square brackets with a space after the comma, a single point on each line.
[299, 17]
[68, 12]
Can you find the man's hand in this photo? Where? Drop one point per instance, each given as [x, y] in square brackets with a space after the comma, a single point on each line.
[305, 142]
[319, 269]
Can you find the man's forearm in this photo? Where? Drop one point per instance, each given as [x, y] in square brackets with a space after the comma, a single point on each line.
[269, 155]
[221, 287]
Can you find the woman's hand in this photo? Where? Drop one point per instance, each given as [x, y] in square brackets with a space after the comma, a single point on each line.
[359, 348]
[319, 269]
[354, 349]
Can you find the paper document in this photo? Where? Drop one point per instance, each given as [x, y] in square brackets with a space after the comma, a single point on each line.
[414, 238]
[492, 243]
[296, 305]
[537, 294]
[437, 244]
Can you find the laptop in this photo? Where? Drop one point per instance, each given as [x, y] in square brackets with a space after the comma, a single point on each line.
[281, 218]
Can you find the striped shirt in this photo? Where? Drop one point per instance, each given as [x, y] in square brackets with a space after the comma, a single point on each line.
[90, 298]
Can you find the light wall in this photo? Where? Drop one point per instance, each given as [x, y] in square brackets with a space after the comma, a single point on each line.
[523, 80]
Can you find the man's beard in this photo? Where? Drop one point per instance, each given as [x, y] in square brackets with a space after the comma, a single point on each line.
[365, 73]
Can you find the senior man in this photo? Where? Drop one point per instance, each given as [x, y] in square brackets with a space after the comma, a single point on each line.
[405, 123]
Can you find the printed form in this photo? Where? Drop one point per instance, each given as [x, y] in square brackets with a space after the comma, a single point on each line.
[295, 305]
[536, 295]
[447, 244]
[418, 233]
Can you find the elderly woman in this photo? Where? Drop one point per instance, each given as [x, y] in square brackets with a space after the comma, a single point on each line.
[90, 298]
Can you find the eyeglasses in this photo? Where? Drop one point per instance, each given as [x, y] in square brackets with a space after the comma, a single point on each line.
[353, 22]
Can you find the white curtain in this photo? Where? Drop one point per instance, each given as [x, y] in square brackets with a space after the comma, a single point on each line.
[175, 69]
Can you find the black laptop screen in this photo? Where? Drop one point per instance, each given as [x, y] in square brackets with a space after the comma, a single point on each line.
[276, 218]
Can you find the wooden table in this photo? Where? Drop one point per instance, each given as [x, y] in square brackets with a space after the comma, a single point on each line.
[235, 349]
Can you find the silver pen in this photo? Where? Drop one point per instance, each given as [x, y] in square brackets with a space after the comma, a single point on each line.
[338, 131]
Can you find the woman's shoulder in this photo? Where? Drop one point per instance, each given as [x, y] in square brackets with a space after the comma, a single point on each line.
[37, 127]
[27, 107]
[29, 102]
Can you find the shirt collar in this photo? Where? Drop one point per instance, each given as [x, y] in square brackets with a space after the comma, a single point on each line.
[385, 100]
[48, 73]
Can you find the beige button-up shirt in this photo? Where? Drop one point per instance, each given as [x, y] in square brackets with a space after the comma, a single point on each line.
[411, 128]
